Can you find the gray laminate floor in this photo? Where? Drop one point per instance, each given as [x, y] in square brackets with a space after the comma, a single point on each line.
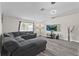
[60, 48]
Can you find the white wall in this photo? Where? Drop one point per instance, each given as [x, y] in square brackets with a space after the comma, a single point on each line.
[0, 21]
[65, 22]
[10, 24]
[0, 28]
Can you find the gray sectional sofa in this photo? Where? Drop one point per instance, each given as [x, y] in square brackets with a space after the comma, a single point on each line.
[25, 35]
[22, 44]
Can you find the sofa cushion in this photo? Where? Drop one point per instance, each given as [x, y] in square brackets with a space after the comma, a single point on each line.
[15, 34]
[8, 35]
[19, 39]
[10, 44]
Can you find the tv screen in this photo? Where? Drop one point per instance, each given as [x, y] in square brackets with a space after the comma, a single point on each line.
[51, 27]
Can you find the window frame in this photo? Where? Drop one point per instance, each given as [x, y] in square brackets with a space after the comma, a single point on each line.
[25, 22]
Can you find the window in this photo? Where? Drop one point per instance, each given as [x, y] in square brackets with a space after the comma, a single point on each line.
[26, 26]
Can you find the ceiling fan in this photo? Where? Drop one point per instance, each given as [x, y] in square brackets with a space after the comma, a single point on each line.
[42, 9]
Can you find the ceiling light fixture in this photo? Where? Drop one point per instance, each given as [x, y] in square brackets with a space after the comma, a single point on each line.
[42, 9]
[53, 12]
[53, 17]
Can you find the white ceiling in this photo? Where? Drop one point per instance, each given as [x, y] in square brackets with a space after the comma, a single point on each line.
[31, 10]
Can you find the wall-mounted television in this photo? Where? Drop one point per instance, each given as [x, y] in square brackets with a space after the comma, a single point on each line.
[51, 27]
